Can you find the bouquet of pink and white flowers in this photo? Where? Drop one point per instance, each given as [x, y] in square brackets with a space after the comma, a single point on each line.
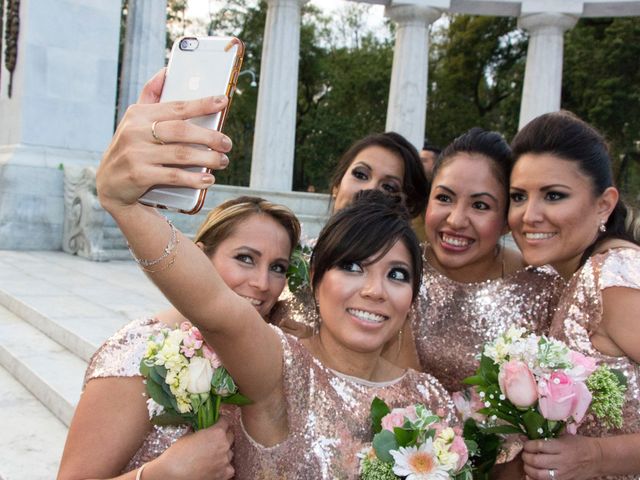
[413, 443]
[185, 380]
[537, 386]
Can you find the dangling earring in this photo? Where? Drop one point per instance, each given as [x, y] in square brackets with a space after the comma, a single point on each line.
[602, 227]
[316, 320]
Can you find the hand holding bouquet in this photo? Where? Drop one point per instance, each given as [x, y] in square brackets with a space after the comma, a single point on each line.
[536, 386]
[413, 443]
[185, 380]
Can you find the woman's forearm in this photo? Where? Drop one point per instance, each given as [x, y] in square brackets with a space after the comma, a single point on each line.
[620, 454]
[185, 275]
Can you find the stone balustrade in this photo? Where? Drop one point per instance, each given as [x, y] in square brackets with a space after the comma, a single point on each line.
[90, 232]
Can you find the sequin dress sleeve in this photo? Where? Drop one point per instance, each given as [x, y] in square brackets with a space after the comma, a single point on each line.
[120, 356]
[578, 317]
[328, 419]
[451, 321]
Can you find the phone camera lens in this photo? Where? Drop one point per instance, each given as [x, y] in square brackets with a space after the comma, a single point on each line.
[184, 44]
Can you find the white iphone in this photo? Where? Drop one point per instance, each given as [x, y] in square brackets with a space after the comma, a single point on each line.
[198, 67]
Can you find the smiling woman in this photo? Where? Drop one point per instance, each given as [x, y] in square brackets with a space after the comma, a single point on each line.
[305, 393]
[249, 240]
[565, 211]
[381, 161]
[473, 287]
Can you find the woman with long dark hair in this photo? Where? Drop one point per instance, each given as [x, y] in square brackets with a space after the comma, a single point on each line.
[566, 211]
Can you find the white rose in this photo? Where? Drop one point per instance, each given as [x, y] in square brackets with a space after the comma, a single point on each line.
[200, 373]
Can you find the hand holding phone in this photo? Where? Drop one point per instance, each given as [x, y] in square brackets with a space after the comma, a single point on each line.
[198, 67]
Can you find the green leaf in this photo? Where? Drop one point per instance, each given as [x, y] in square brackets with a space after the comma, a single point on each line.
[504, 429]
[513, 420]
[157, 393]
[382, 443]
[489, 370]
[196, 402]
[379, 409]
[298, 273]
[622, 380]
[474, 380]
[237, 399]
[144, 369]
[169, 418]
[155, 374]
[533, 421]
[405, 436]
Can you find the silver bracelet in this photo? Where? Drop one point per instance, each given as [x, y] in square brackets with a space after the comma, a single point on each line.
[171, 246]
[139, 474]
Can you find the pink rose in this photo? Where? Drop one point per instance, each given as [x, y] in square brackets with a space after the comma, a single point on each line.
[581, 403]
[562, 398]
[458, 446]
[396, 417]
[582, 366]
[517, 383]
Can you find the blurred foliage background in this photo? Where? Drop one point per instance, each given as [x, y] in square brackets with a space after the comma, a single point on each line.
[476, 71]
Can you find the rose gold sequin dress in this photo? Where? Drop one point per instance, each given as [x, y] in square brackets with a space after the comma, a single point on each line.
[329, 422]
[578, 317]
[328, 412]
[295, 313]
[120, 356]
[451, 321]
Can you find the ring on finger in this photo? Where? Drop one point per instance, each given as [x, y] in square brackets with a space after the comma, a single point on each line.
[552, 473]
[156, 137]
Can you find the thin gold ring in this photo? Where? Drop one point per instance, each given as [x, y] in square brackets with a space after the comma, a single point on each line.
[155, 135]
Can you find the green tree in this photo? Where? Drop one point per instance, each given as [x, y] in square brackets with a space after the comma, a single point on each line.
[247, 23]
[342, 91]
[350, 103]
[601, 76]
[475, 76]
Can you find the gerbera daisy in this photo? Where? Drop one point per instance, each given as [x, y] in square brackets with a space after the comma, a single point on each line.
[418, 463]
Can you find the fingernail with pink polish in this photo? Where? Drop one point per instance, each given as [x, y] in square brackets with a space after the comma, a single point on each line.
[226, 142]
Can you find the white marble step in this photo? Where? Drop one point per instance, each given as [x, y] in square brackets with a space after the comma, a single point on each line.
[76, 302]
[48, 370]
[31, 437]
[66, 332]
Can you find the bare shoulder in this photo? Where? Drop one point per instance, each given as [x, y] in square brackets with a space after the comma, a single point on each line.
[513, 260]
[615, 243]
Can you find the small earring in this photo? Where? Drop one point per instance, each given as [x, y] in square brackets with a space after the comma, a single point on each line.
[602, 227]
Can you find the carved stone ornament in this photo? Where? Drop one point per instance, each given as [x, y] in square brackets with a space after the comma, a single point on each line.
[12, 29]
[84, 217]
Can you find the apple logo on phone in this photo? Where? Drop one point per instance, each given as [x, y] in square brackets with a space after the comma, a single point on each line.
[194, 83]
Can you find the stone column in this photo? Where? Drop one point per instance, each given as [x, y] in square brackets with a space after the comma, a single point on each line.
[543, 74]
[274, 138]
[144, 48]
[60, 113]
[406, 113]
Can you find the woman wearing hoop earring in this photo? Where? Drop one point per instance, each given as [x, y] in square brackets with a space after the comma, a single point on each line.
[473, 287]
